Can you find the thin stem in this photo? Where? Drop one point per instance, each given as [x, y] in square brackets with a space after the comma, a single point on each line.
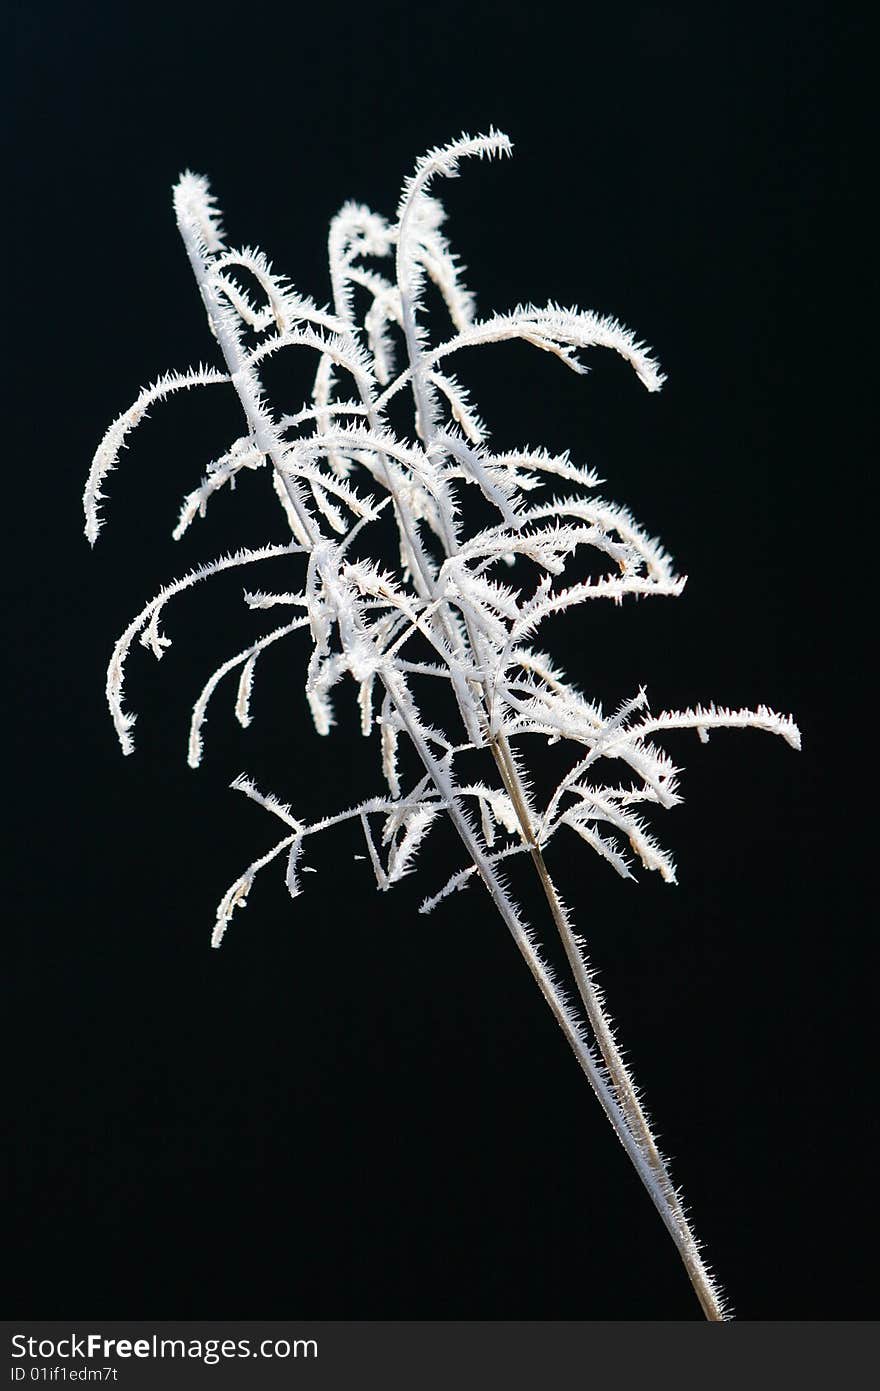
[661, 1189]
[596, 1074]
[630, 1120]
[244, 377]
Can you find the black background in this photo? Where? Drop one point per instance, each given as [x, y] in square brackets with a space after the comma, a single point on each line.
[352, 1111]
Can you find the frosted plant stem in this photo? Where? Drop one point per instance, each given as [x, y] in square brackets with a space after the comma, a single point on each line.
[609, 1089]
[448, 595]
[661, 1188]
[244, 377]
[630, 1118]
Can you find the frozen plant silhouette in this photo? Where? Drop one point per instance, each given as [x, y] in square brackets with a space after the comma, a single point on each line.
[459, 604]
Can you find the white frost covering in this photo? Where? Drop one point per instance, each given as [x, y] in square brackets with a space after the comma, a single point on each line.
[458, 601]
